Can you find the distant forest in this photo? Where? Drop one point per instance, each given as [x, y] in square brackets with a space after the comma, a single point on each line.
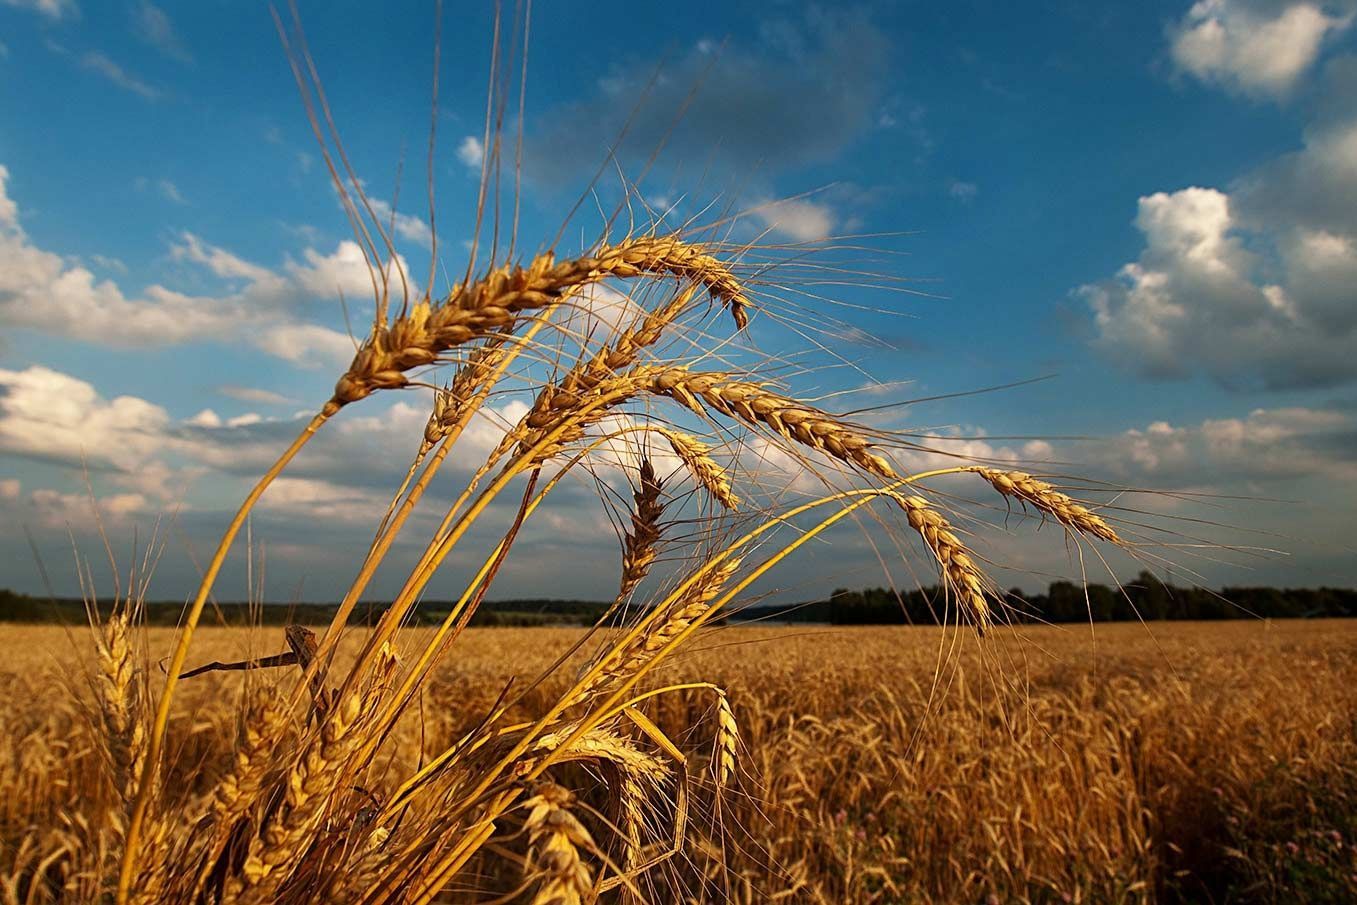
[1147, 597]
[1144, 598]
[15, 607]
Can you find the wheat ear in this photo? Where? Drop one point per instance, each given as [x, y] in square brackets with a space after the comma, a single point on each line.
[449, 404]
[1069, 512]
[555, 839]
[727, 740]
[619, 663]
[959, 571]
[753, 403]
[118, 700]
[696, 457]
[311, 784]
[494, 302]
[638, 547]
[590, 376]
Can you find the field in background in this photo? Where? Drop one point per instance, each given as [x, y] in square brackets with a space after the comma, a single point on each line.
[1203, 762]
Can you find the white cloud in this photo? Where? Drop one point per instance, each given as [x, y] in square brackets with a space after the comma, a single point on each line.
[206, 418]
[100, 63]
[964, 192]
[318, 499]
[407, 226]
[56, 10]
[253, 394]
[802, 221]
[1256, 285]
[171, 191]
[1196, 298]
[10, 488]
[154, 27]
[108, 263]
[471, 152]
[9, 210]
[50, 415]
[41, 290]
[1260, 50]
[219, 261]
[307, 345]
[56, 510]
[1266, 446]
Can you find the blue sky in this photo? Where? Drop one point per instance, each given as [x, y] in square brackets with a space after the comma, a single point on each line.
[1156, 203]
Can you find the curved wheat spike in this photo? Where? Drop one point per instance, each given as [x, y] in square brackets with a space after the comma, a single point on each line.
[696, 457]
[1069, 512]
[495, 302]
[754, 404]
[959, 571]
[622, 661]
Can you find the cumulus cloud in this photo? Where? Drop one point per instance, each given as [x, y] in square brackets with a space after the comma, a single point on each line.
[1264, 447]
[42, 290]
[1258, 47]
[1254, 286]
[798, 219]
[471, 152]
[52, 416]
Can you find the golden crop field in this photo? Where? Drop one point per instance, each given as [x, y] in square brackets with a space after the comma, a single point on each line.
[1185, 762]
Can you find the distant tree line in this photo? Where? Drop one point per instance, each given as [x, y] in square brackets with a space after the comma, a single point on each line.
[1147, 597]
[16, 607]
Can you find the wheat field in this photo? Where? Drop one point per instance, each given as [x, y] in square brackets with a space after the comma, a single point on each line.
[1191, 762]
[662, 756]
